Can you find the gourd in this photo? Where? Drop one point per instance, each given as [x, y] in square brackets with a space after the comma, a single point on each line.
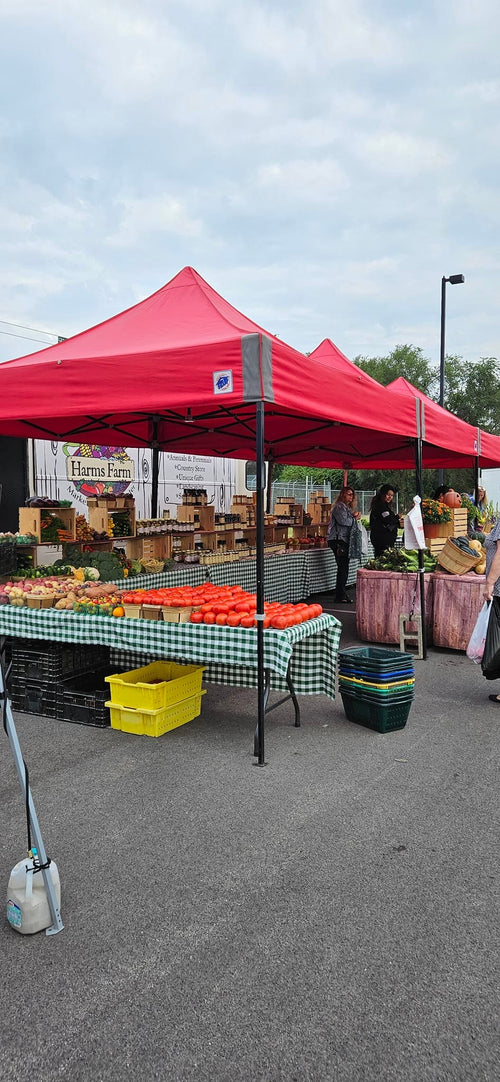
[452, 498]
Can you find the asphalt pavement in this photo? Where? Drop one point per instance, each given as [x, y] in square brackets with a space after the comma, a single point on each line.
[331, 916]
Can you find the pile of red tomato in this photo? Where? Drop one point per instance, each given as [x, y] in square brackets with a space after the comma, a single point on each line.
[224, 605]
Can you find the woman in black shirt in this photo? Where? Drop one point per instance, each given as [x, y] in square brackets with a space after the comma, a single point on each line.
[384, 522]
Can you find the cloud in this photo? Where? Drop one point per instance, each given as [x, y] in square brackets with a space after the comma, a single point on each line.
[139, 218]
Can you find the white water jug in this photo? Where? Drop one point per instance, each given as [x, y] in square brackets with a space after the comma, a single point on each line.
[27, 906]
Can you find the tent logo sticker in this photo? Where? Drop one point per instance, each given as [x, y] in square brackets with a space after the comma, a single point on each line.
[223, 382]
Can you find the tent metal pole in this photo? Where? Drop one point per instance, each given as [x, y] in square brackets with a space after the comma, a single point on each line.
[154, 472]
[261, 704]
[418, 484]
[269, 487]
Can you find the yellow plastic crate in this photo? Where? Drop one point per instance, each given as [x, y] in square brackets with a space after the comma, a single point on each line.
[372, 684]
[156, 686]
[155, 722]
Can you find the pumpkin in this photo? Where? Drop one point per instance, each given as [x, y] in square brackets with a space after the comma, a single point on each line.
[452, 498]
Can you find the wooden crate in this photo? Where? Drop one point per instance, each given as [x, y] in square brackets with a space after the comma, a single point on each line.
[185, 512]
[155, 548]
[459, 522]
[435, 544]
[30, 519]
[99, 518]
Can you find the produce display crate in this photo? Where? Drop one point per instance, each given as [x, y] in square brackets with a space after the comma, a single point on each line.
[152, 612]
[156, 686]
[132, 612]
[99, 517]
[435, 545]
[82, 700]
[382, 718]
[45, 601]
[453, 559]
[175, 614]
[30, 521]
[37, 660]
[155, 722]
[155, 548]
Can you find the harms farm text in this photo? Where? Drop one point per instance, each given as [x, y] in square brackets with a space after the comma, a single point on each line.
[102, 469]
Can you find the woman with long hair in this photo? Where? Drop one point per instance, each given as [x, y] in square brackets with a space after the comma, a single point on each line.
[342, 522]
[384, 522]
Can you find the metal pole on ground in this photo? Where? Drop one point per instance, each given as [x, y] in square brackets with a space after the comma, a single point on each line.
[10, 729]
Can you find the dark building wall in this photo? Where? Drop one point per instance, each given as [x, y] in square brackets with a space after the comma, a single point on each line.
[13, 479]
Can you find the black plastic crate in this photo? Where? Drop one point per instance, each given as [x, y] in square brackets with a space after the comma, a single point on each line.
[82, 699]
[39, 661]
[42, 698]
[8, 560]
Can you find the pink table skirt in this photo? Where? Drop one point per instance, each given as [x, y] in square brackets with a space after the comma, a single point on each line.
[457, 601]
[381, 596]
[452, 603]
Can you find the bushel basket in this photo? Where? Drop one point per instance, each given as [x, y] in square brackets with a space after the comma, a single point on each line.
[455, 560]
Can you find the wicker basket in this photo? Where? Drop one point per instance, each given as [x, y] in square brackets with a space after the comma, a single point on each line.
[453, 559]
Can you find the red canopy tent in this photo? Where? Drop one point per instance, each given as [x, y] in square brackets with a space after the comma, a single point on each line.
[474, 444]
[446, 439]
[186, 355]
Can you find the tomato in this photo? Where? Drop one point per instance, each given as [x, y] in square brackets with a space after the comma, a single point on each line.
[221, 618]
[209, 618]
[266, 621]
[247, 620]
[196, 617]
[233, 619]
[242, 606]
[279, 623]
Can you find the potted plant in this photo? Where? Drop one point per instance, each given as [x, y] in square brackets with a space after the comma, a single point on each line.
[437, 518]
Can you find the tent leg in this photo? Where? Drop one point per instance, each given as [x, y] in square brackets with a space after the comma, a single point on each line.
[261, 691]
[154, 482]
[10, 729]
[418, 484]
[269, 488]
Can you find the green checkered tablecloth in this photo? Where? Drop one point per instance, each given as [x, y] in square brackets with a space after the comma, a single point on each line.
[288, 578]
[229, 653]
[284, 576]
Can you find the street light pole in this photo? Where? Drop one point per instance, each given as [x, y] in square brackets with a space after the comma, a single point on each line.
[454, 280]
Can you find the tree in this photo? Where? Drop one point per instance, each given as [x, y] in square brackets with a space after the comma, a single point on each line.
[407, 361]
[472, 391]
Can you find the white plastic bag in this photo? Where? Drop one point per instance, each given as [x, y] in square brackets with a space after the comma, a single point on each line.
[414, 537]
[475, 649]
[364, 539]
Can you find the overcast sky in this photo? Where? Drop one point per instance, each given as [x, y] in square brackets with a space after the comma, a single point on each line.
[321, 164]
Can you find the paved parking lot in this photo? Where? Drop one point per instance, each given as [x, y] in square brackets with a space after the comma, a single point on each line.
[333, 915]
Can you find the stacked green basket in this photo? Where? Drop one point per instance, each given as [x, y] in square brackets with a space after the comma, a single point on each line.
[376, 686]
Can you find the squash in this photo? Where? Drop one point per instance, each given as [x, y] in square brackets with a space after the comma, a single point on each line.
[452, 498]
[480, 568]
[474, 544]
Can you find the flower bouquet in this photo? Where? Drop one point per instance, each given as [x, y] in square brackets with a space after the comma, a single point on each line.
[437, 518]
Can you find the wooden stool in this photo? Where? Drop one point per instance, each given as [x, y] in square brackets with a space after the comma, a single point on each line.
[413, 638]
